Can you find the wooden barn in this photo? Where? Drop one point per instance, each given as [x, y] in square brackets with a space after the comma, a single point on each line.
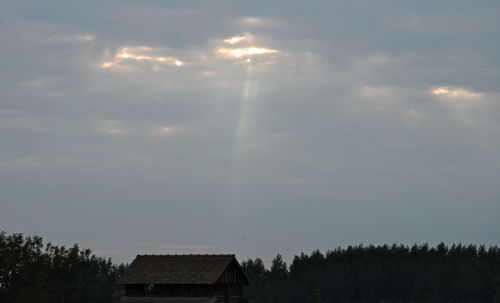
[184, 279]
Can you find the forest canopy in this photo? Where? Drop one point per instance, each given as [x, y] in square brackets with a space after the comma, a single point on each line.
[384, 273]
[31, 271]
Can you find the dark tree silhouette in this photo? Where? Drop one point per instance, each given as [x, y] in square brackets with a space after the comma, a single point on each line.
[32, 272]
[396, 273]
[315, 297]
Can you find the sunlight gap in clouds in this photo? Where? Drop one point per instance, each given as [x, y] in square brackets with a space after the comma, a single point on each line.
[140, 54]
[235, 39]
[458, 101]
[245, 38]
[246, 50]
[249, 51]
[455, 92]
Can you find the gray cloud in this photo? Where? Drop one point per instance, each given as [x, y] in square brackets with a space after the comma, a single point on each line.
[331, 124]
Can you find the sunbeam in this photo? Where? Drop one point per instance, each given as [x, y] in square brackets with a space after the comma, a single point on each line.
[245, 118]
[243, 134]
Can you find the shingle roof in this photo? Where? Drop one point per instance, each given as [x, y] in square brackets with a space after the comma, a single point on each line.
[176, 269]
[167, 300]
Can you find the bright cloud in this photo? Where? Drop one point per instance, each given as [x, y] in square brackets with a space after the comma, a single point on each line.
[455, 93]
[163, 130]
[371, 91]
[234, 40]
[457, 101]
[114, 131]
[143, 53]
[248, 38]
[253, 20]
[249, 51]
[259, 22]
[245, 49]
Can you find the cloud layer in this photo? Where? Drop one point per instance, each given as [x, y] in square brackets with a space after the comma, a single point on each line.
[253, 127]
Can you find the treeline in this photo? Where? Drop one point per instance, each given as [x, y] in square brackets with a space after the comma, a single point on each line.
[385, 273]
[33, 272]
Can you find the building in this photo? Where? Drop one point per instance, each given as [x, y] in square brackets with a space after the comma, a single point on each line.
[184, 279]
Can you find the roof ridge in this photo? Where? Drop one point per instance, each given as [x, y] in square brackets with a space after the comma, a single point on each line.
[178, 255]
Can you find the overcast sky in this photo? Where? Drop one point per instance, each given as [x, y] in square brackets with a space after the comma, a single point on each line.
[249, 127]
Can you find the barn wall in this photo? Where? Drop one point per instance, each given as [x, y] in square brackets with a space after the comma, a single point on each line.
[229, 293]
[135, 290]
[232, 275]
[183, 290]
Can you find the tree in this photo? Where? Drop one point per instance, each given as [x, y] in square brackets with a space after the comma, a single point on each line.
[315, 297]
[278, 281]
[389, 273]
[30, 272]
[258, 276]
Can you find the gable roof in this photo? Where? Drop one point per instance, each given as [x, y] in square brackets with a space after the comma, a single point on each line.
[167, 300]
[177, 269]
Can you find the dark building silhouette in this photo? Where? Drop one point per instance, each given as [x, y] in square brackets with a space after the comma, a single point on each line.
[184, 279]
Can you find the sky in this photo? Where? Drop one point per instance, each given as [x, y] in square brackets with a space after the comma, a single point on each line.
[249, 127]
